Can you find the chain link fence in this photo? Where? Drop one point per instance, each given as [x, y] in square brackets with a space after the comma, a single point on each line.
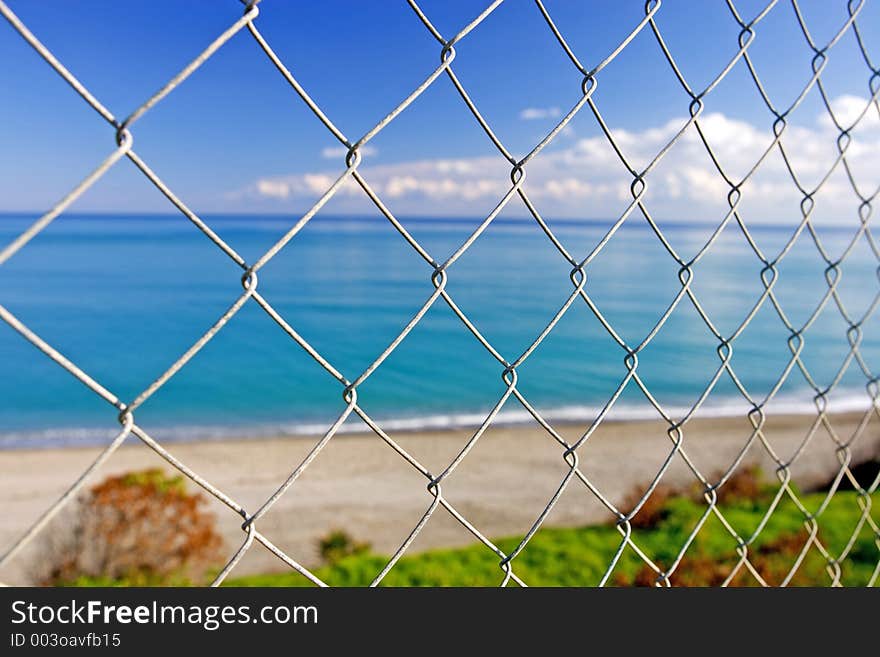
[440, 270]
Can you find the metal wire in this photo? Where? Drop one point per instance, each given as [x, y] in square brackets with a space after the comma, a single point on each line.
[439, 272]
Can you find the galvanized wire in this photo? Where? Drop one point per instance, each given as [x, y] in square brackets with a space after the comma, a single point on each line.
[439, 270]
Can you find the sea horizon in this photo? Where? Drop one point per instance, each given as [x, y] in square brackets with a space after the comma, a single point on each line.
[124, 294]
[636, 221]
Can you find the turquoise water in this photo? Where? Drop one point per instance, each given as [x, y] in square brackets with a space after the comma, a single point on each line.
[123, 296]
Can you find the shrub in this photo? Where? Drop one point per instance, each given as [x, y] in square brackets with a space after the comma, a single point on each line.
[772, 561]
[746, 484]
[338, 544]
[653, 511]
[864, 472]
[138, 528]
[700, 570]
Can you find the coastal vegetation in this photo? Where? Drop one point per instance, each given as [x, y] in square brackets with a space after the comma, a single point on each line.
[140, 528]
[152, 532]
[580, 556]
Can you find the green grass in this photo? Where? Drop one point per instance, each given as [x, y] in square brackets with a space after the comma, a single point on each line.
[580, 556]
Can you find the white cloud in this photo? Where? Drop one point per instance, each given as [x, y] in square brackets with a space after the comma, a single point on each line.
[539, 113]
[339, 152]
[285, 187]
[273, 188]
[846, 108]
[583, 177]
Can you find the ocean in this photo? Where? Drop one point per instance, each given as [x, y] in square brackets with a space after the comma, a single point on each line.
[124, 295]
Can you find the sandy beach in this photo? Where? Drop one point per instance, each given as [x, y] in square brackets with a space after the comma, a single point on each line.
[358, 483]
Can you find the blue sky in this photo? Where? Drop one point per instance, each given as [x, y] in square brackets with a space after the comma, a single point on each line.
[235, 138]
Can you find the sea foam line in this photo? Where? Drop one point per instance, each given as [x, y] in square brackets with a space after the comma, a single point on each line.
[88, 436]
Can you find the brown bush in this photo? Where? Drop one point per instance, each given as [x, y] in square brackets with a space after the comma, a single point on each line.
[691, 571]
[139, 528]
[772, 561]
[653, 511]
[747, 483]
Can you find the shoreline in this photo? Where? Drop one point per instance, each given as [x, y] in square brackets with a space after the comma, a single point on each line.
[564, 416]
[360, 484]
